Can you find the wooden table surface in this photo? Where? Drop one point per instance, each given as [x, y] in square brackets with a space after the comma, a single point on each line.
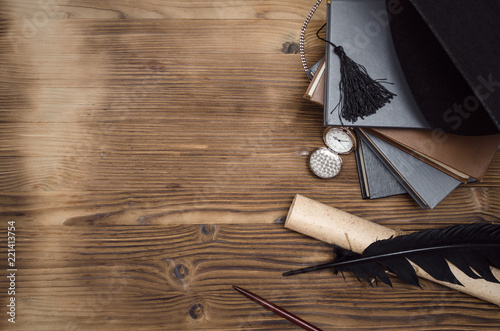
[150, 150]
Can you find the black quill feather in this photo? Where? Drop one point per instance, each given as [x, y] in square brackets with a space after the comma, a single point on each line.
[472, 248]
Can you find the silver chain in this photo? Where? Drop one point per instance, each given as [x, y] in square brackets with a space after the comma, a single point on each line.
[303, 33]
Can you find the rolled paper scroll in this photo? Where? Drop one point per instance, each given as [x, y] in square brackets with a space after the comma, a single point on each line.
[334, 226]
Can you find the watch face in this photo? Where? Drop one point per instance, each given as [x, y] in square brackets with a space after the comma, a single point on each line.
[324, 163]
[339, 140]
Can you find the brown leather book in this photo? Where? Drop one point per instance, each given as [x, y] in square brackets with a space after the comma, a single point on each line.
[316, 89]
[459, 156]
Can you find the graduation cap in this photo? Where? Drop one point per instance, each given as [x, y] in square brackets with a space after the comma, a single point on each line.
[449, 51]
[443, 58]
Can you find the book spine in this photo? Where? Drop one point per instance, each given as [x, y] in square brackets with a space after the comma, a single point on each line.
[328, 54]
[358, 153]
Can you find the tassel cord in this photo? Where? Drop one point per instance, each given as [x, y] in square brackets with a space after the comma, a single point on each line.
[360, 95]
[379, 257]
[323, 39]
[341, 89]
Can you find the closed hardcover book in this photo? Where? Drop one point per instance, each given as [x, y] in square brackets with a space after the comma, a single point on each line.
[460, 156]
[426, 184]
[316, 90]
[376, 181]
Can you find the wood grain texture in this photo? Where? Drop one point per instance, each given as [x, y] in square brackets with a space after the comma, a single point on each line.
[149, 151]
[160, 9]
[180, 277]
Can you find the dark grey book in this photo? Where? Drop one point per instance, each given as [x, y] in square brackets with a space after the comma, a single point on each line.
[426, 184]
[376, 181]
[361, 27]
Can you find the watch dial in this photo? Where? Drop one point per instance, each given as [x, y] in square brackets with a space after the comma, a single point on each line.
[324, 163]
[339, 141]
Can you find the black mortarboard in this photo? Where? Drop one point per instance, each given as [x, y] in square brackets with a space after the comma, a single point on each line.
[449, 51]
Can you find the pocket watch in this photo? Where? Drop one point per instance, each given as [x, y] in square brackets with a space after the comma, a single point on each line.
[325, 162]
[340, 140]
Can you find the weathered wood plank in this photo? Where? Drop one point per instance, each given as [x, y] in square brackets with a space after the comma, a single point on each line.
[230, 204]
[152, 54]
[132, 133]
[40, 10]
[180, 278]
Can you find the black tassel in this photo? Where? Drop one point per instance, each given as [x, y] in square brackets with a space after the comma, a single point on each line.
[472, 248]
[360, 95]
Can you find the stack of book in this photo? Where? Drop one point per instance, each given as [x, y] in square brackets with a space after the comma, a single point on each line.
[399, 152]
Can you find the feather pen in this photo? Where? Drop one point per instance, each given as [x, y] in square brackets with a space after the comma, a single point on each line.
[472, 248]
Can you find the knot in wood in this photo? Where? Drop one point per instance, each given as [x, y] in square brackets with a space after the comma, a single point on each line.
[196, 311]
[207, 229]
[290, 48]
[181, 271]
